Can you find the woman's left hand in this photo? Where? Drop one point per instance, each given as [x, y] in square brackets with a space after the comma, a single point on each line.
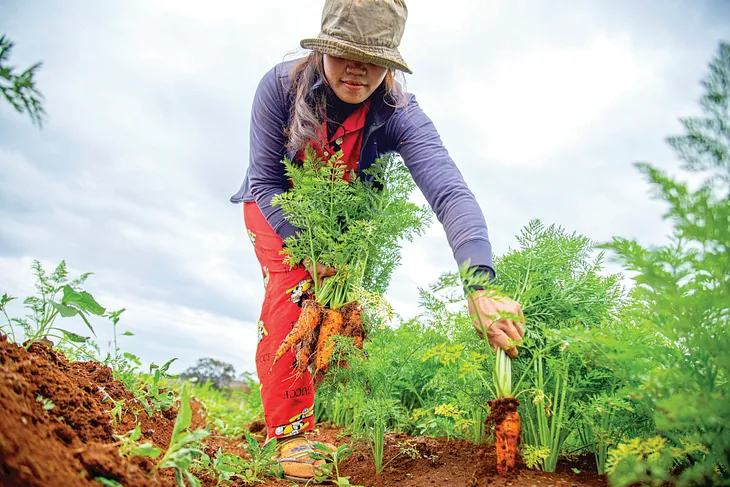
[484, 309]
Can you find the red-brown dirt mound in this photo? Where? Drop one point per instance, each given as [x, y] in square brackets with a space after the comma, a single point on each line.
[69, 443]
[72, 442]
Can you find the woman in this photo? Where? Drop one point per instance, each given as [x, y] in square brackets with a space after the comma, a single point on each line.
[344, 96]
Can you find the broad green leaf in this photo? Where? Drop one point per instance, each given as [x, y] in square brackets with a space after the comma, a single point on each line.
[179, 478]
[82, 300]
[65, 311]
[166, 366]
[132, 358]
[269, 447]
[252, 443]
[191, 437]
[146, 450]
[182, 422]
[192, 479]
[127, 334]
[73, 337]
[322, 447]
[88, 325]
[136, 433]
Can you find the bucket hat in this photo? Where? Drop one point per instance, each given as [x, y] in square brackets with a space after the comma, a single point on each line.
[368, 31]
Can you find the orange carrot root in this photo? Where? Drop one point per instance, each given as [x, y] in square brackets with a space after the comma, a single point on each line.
[332, 324]
[507, 426]
[308, 321]
[507, 438]
[352, 314]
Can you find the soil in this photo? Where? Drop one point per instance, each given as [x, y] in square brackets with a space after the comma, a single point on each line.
[73, 441]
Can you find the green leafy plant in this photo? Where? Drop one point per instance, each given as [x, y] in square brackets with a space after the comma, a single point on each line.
[47, 403]
[355, 226]
[263, 460]
[19, 89]
[602, 425]
[224, 467]
[153, 391]
[228, 410]
[56, 296]
[331, 468]
[673, 342]
[180, 453]
[129, 445]
[558, 281]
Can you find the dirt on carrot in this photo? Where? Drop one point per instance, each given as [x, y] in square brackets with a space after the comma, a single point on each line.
[307, 347]
[354, 327]
[505, 419]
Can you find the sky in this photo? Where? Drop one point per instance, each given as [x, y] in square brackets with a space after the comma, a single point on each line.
[544, 107]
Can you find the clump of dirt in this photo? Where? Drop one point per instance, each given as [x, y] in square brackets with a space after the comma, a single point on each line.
[499, 409]
[257, 427]
[54, 428]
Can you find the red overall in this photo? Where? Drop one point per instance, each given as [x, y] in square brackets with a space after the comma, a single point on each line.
[289, 401]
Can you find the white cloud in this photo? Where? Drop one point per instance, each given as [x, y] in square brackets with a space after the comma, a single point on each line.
[540, 103]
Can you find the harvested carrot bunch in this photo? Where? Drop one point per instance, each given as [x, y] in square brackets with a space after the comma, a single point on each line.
[352, 223]
[312, 335]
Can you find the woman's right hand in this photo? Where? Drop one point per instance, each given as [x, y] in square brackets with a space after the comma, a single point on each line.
[322, 271]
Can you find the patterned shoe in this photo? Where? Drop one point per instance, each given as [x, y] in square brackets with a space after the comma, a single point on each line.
[293, 456]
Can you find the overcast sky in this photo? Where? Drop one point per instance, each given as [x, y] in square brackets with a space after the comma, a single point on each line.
[544, 106]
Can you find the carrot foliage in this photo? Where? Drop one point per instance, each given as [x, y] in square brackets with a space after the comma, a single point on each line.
[357, 227]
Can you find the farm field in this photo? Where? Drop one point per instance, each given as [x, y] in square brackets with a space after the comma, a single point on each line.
[76, 435]
[614, 384]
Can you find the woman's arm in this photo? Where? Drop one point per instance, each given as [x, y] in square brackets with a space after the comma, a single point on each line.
[455, 206]
[269, 117]
[442, 184]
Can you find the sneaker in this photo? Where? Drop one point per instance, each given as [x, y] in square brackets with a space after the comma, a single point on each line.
[293, 456]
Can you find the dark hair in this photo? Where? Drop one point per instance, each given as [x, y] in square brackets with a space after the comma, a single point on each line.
[308, 109]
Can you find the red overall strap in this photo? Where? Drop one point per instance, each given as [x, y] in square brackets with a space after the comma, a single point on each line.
[348, 138]
[288, 398]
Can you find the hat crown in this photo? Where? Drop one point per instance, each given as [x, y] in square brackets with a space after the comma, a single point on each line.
[370, 22]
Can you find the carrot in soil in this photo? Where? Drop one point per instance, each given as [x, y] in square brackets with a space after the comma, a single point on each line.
[503, 414]
[332, 324]
[308, 321]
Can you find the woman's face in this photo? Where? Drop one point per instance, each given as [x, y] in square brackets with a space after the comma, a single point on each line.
[352, 81]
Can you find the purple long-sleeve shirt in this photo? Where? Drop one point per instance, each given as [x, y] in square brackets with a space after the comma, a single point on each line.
[406, 130]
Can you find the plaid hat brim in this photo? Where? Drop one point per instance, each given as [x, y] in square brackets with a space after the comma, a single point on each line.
[386, 57]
